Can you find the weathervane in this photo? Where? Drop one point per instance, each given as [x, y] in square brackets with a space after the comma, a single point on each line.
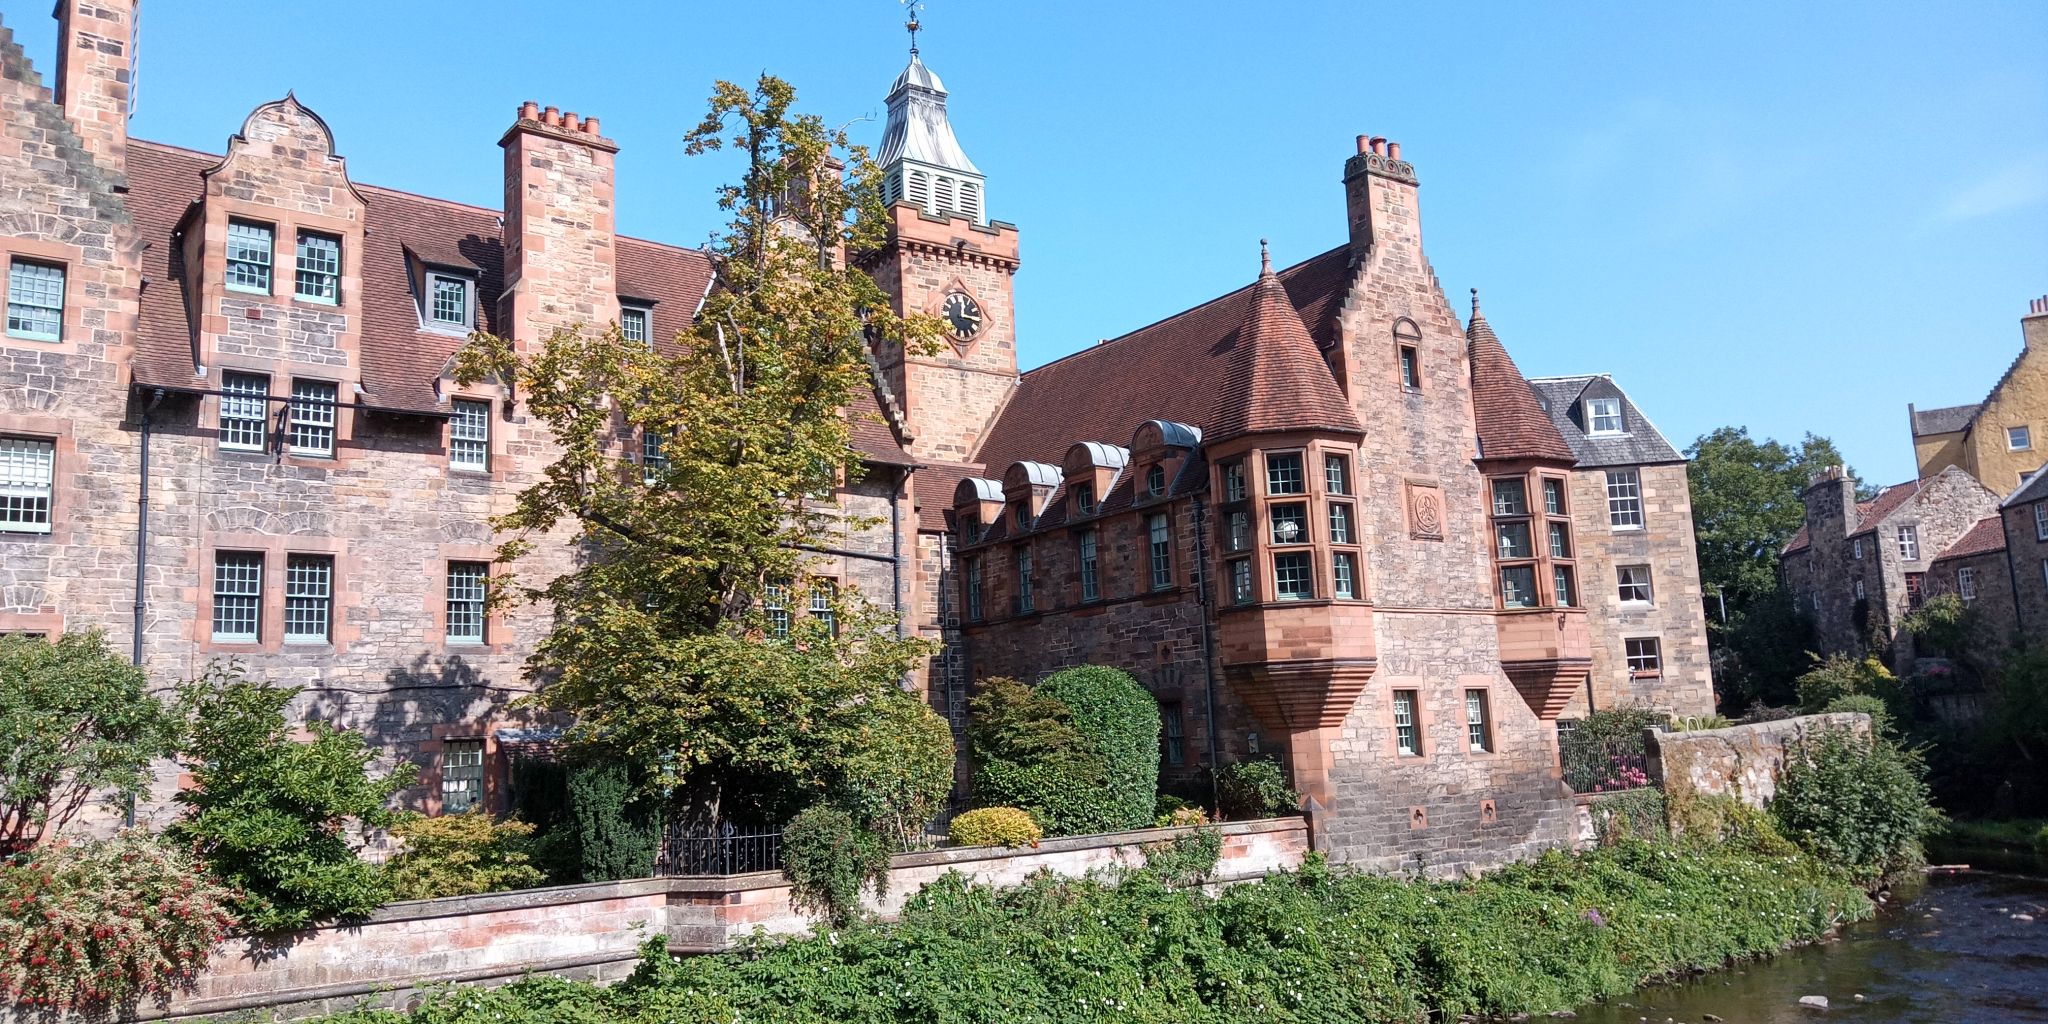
[912, 7]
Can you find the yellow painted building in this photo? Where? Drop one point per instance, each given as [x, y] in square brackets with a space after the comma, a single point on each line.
[2003, 439]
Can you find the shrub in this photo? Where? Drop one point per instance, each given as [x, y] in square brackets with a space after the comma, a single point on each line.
[1254, 789]
[538, 794]
[827, 858]
[460, 855]
[1864, 704]
[106, 922]
[273, 815]
[1945, 623]
[1857, 802]
[1121, 723]
[1028, 754]
[75, 719]
[614, 828]
[994, 826]
[897, 770]
[1843, 676]
[1605, 751]
[1636, 813]
[1183, 817]
[1185, 860]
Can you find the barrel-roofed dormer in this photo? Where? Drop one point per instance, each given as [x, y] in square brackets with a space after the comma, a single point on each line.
[1091, 469]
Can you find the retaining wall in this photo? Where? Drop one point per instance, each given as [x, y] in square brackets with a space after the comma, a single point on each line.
[594, 931]
[1743, 761]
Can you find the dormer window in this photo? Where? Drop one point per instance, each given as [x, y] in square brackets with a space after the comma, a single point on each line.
[319, 268]
[1023, 515]
[1155, 481]
[634, 323]
[249, 248]
[1603, 416]
[1084, 499]
[448, 301]
[970, 529]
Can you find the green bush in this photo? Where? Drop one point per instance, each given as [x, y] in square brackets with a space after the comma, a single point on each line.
[1864, 704]
[1028, 754]
[614, 828]
[994, 826]
[537, 792]
[76, 720]
[828, 858]
[272, 814]
[1857, 802]
[1636, 813]
[1605, 752]
[1121, 722]
[1843, 676]
[104, 923]
[460, 855]
[1254, 789]
[897, 770]
[1320, 944]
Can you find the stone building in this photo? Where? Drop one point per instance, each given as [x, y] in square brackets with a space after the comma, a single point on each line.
[2000, 570]
[1319, 517]
[2003, 439]
[1858, 568]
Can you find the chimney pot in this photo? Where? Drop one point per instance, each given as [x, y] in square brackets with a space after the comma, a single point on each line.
[1393, 151]
[590, 125]
[1364, 142]
[571, 121]
[1379, 144]
[552, 117]
[529, 111]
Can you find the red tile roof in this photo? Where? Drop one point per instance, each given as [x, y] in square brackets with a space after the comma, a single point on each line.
[1276, 379]
[1868, 514]
[1987, 536]
[402, 363]
[1512, 425]
[1171, 370]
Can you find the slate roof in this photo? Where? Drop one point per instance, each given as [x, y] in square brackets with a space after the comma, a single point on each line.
[1986, 536]
[1172, 370]
[1868, 514]
[2033, 489]
[1511, 423]
[1641, 446]
[1943, 421]
[401, 362]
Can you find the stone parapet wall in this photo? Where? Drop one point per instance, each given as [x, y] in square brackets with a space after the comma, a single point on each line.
[1743, 761]
[594, 931]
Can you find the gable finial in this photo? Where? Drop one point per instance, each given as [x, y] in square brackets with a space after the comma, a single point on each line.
[912, 7]
[1475, 302]
[1265, 260]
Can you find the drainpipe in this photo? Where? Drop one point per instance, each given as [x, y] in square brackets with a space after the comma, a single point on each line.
[156, 398]
[2012, 576]
[1208, 641]
[896, 546]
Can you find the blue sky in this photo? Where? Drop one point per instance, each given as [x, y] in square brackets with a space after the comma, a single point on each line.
[1787, 216]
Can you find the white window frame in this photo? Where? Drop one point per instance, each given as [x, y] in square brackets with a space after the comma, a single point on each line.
[1284, 568]
[469, 436]
[28, 484]
[1242, 589]
[1024, 597]
[1159, 550]
[653, 456]
[822, 594]
[1966, 583]
[241, 405]
[462, 775]
[629, 314]
[1343, 576]
[775, 608]
[251, 262]
[1856, 549]
[1604, 409]
[1407, 723]
[238, 587]
[1636, 579]
[2019, 438]
[1909, 542]
[308, 598]
[2041, 519]
[1625, 499]
[974, 606]
[428, 315]
[1286, 474]
[27, 292]
[1643, 661]
[468, 591]
[326, 281]
[1859, 588]
[315, 416]
[1478, 723]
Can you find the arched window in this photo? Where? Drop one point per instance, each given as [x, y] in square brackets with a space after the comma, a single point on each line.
[1408, 353]
[919, 189]
[945, 201]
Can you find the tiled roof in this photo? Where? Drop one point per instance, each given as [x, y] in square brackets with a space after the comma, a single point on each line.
[1868, 514]
[401, 363]
[1985, 537]
[1276, 379]
[2033, 489]
[1511, 424]
[1171, 370]
[934, 485]
[1641, 446]
[1942, 421]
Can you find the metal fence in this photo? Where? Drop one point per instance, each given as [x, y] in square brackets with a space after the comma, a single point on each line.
[721, 848]
[1604, 763]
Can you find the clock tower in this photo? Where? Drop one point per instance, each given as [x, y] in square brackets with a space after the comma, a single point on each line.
[945, 257]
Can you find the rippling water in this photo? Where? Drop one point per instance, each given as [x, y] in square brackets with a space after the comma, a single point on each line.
[1951, 953]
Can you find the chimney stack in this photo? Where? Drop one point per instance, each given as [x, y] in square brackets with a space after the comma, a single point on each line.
[1379, 193]
[2034, 326]
[561, 262]
[95, 77]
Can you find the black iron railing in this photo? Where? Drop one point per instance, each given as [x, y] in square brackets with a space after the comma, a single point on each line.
[722, 848]
[1604, 764]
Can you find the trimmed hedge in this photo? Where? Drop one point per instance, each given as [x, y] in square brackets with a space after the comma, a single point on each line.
[1121, 721]
[995, 826]
[1079, 752]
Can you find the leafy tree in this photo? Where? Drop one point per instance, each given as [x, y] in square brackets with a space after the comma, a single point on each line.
[1121, 723]
[1746, 504]
[75, 719]
[1029, 754]
[658, 651]
[895, 770]
[274, 813]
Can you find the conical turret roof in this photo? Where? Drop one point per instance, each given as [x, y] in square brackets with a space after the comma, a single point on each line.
[1277, 380]
[1512, 424]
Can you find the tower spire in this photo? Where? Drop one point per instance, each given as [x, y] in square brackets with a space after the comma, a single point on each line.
[921, 161]
[912, 7]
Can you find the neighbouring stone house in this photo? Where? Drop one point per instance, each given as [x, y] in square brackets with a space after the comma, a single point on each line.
[1858, 568]
[1319, 517]
[2000, 569]
[2003, 439]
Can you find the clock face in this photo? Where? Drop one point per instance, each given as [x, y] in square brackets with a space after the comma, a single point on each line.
[962, 314]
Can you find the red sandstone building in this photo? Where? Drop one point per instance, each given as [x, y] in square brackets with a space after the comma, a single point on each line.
[1319, 517]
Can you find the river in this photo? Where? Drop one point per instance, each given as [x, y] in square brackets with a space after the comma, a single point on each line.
[1949, 953]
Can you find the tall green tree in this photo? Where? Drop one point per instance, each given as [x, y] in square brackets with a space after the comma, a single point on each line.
[1746, 504]
[76, 719]
[661, 651]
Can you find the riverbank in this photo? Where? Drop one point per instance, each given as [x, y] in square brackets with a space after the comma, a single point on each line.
[1314, 945]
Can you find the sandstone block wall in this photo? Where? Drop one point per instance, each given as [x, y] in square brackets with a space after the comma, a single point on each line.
[1744, 761]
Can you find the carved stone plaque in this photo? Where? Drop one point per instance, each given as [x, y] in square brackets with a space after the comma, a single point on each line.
[1425, 510]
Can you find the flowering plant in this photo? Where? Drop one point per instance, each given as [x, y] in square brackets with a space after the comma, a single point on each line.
[105, 923]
